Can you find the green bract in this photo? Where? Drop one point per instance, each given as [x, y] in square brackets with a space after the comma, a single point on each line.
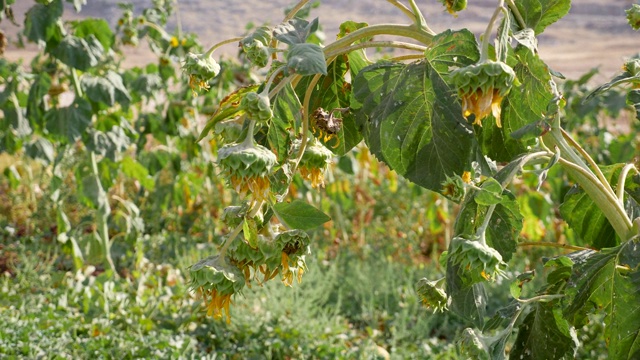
[247, 167]
[633, 16]
[477, 261]
[481, 88]
[431, 295]
[257, 106]
[200, 68]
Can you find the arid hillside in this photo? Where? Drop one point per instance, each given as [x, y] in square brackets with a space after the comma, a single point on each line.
[594, 33]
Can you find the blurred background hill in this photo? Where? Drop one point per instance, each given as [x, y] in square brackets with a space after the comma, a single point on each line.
[595, 32]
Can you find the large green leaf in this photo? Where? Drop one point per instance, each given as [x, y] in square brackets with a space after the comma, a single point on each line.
[295, 31]
[79, 53]
[405, 125]
[42, 23]
[609, 281]
[525, 104]
[538, 14]
[69, 123]
[107, 89]
[332, 92]
[544, 334]
[97, 27]
[300, 215]
[408, 116]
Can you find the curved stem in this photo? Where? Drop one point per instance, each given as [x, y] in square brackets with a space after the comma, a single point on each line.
[209, 52]
[622, 179]
[556, 245]
[157, 28]
[267, 86]
[540, 298]
[403, 8]
[295, 10]
[484, 52]
[305, 120]
[600, 193]
[483, 228]
[370, 44]
[419, 19]
[588, 158]
[382, 29]
[407, 58]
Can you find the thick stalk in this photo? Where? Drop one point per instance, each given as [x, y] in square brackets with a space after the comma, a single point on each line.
[484, 52]
[556, 245]
[102, 218]
[604, 199]
[370, 44]
[622, 180]
[408, 31]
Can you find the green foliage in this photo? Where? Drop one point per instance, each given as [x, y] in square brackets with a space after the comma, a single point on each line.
[107, 166]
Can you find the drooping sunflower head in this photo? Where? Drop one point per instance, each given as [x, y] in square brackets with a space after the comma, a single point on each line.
[314, 161]
[482, 87]
[294, 244]
[200, 68]
[216, 280]
[477, 261]
[633, 16]
[247, 168]
[431, 294]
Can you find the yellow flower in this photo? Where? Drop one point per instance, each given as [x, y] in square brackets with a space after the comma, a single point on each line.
[174, 42]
